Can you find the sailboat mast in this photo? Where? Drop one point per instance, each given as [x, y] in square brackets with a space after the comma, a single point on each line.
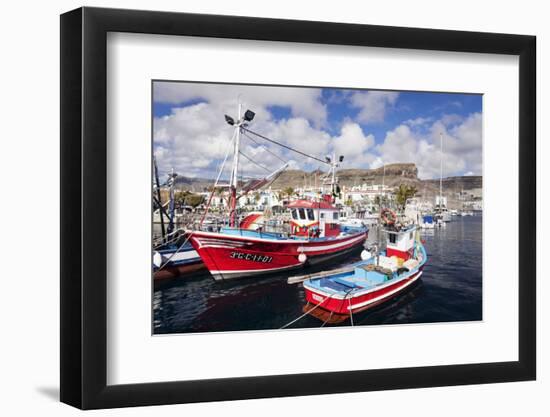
[163, 231]
[441, 170]
[384, 179]
[171, 205]
[333, 184]
[234, 173]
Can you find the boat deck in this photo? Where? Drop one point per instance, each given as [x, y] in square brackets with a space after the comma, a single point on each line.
[234, 231]
[364, 276]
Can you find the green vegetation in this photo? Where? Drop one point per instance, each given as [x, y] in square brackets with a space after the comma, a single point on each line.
[187, 198]
[288, 191]
[403, 193]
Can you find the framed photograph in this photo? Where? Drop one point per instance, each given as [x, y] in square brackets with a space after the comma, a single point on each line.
[256, 208]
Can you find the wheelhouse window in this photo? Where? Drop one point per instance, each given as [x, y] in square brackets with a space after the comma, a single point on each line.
[302, 214]
[335, 215]
[392, 237]
[294, 214]
[310, 214]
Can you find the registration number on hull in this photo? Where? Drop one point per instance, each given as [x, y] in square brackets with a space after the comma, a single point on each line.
[317, 297]
[251, 257]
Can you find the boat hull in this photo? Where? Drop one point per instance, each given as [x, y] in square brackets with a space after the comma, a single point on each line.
[176, 262]
[176, 271]
[362, 300]
[231, 256]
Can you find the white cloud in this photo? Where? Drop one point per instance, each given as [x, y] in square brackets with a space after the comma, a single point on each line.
[376, 163]
[354, 145]
[373, 105]
[189, 139]
[194, 139]
[451, 119]
[302, 102]
[462, 147]
[419, 121]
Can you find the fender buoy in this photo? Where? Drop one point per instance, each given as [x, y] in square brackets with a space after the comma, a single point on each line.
[158, 259]
[302, 257]
[365, 255]
[388, 216]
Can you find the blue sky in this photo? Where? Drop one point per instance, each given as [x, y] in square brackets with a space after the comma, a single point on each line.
[369, 127]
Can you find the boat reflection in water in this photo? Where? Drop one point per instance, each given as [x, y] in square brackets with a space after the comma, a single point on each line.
[449, 290]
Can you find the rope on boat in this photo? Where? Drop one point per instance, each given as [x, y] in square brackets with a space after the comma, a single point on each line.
[306, 313]
[326, 321]
[254, 162]
[350, 312]
[173, 254]
[285, 146]
[175, 235]
[178, 249]
[264, 148]
[331, 313]
[220, 170]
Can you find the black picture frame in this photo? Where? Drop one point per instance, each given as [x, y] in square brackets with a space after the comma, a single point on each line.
[84, 207]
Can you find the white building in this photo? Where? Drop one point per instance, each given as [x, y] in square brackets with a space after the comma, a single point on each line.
[368, 193]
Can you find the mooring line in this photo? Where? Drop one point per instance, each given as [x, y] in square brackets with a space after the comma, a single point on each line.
[305, 314]
[350, 312]
[177, 250]
[326, 321]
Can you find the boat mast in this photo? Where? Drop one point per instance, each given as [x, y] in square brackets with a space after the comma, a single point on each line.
[234, 173]
[384, 181]
[333, 183]
[172, 180]
[334, 163]
[441, 172]
[161, 214]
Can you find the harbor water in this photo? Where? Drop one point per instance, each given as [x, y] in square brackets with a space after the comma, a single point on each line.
[449, 290]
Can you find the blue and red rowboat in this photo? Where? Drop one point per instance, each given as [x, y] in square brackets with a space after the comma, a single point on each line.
[315, 237]
[370, 282]
[174, 260]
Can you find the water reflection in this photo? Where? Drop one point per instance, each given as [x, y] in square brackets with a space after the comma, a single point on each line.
[450, 289]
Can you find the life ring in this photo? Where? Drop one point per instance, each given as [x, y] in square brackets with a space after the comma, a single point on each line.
[388, 216]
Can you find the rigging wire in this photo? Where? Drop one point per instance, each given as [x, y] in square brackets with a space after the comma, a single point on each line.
[221, 167]
[285, 146]
[264, 148]
[254, 162]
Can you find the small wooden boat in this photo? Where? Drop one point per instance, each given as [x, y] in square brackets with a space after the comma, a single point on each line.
[378, 278]
[175, 259]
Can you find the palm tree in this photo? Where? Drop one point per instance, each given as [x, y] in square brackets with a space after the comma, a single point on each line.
[181, 196]
[403, 193]
[288, 191]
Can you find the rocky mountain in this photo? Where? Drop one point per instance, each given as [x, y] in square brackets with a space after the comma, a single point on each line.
[391, 174]
[458, 183]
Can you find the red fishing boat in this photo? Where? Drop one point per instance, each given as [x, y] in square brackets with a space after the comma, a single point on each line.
[246, 249]
[238, 252]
